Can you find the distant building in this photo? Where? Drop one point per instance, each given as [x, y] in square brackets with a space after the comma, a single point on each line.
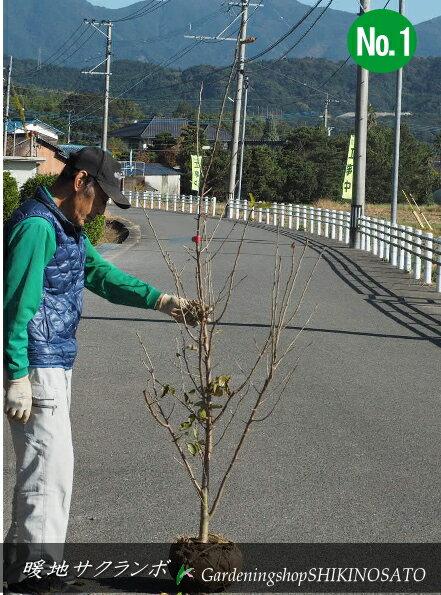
[139, 136]
[152, 177]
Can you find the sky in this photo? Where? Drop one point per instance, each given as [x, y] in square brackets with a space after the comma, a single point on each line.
[415, 10]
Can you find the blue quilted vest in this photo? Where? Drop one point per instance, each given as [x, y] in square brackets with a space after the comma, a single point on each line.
[51, 332]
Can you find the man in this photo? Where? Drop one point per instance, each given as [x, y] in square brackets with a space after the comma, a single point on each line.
[48, 261]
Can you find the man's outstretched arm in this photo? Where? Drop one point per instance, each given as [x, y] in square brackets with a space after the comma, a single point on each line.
[109, 282]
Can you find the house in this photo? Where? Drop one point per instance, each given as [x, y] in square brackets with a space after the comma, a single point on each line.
[151, 177]
[34, 127]
[139, 136]
[33, 142]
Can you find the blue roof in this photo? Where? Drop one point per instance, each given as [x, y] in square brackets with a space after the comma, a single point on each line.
[157, 169]
[17, 123]
[68, 149]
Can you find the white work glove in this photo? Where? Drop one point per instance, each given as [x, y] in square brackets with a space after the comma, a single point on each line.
[18, 399]
[180, 308]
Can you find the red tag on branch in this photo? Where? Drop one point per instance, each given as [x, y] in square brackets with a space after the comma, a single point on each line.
[196, 239]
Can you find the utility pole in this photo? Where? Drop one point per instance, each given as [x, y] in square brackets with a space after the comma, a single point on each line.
[107, 73]
[68, 128]
[396, 164]
[240, 57]
[361, 120]
[244, 122]
[8, 93]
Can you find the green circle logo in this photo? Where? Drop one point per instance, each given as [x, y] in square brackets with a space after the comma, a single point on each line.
[382, 40]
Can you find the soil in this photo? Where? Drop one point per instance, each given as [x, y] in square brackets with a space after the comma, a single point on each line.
[219, 554]
[115, 232]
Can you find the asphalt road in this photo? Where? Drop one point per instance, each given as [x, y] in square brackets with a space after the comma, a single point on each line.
[351, 454]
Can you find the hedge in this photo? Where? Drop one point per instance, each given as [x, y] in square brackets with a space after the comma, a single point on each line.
[29, 187]
[95, 229]
[11, 197]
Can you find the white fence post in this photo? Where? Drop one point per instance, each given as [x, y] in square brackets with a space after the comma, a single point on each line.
[347, 229]
[183, 203]
[374, 231]
[304, 218]
[363, 234]
[191, 203]
[282, 214]
[274, 210]
[381, 239]
[402, 244]
[237, 209]
[429, 254]
[259, 214]
[267, 216]
[319, 221]
[394, 248]
[408, 253]
[333, 220]
[326, 215]
[137, 199]
[387, 240]
[166, 202]
[311, 219]
[245, 210]
[340, 227]
[368, 223]
[175, 202]
[297, 214]
[290, 216]
[214, 205]
[417, 249]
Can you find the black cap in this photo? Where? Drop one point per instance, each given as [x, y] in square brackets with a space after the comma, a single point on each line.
[102, 166]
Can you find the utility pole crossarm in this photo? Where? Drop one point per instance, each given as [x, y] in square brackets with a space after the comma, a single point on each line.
[208, 37]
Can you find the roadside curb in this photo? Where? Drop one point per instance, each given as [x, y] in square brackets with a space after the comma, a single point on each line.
[111, 251]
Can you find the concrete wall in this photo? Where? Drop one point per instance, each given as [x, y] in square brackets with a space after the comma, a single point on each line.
[21, 169]
[165, 184]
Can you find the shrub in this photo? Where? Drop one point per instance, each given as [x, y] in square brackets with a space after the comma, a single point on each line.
[29, 187]
[11, 198]
[95, 229]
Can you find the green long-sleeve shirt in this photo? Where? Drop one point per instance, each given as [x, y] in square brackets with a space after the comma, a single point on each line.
[31, 246]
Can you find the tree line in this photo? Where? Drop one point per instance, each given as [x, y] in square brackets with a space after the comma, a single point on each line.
[309, 165]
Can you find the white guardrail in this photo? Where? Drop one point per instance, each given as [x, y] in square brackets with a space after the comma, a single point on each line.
[171, 202]
[411, 250]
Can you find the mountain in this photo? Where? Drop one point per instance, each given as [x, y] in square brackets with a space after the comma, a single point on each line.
[41, 27]
[429, 38]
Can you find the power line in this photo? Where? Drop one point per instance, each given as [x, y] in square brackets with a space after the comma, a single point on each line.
[307, 31]
[283, 37]
[47, 64]
[143, 11]
[346, 61]
[177, 56]
[56, 51]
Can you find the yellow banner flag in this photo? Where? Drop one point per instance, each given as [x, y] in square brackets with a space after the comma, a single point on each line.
[349, 171]
[196, 165]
